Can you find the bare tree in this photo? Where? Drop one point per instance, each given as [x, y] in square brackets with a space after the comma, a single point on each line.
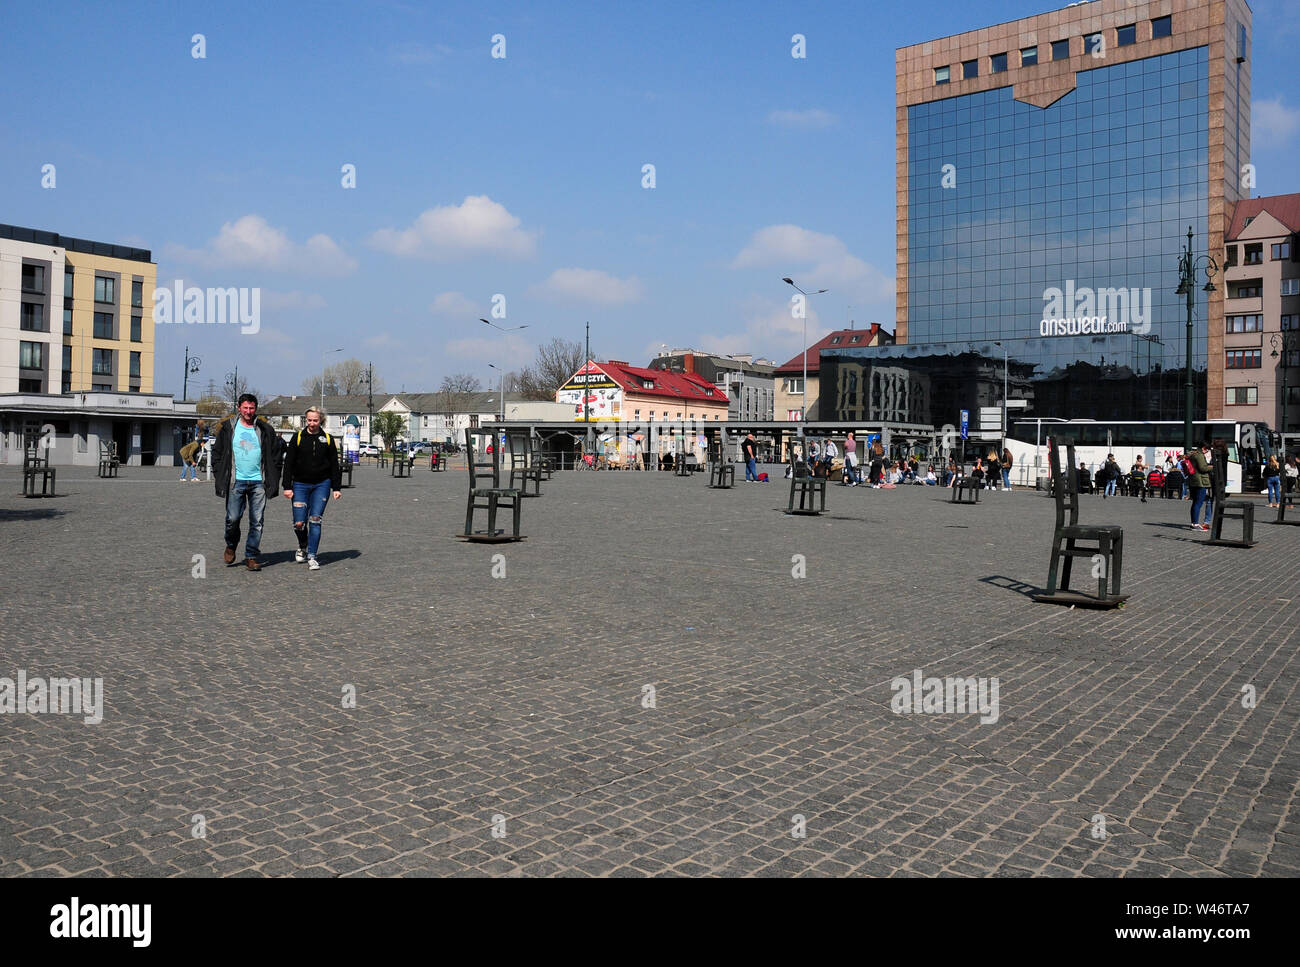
[555, 362]
[455, 389]
[346, 378]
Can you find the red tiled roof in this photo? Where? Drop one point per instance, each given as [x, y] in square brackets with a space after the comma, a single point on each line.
[1285, 208]
[795, 366]
[678, 386]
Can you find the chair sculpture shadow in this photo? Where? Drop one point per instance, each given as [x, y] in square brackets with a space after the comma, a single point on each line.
[811, 490]
[722, 471]
[966, 490]
[34, 465]
[486, 492]
[1102, 543]
[1242, 510]
[525, 466]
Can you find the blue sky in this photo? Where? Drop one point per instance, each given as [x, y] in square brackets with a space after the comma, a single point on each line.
[477, 176]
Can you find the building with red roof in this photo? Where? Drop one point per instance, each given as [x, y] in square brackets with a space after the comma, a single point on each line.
[616, 390]
[1261, 343]
[789, 377]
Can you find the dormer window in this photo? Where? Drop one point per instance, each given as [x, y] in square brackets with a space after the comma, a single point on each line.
[854, 338]
[834, 340]
[647, 384]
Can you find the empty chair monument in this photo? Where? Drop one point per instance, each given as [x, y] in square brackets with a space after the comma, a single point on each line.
[485, 490]
[1242, 510]
[1102, 544]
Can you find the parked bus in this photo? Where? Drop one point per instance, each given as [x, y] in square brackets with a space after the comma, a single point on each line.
[1249, 446]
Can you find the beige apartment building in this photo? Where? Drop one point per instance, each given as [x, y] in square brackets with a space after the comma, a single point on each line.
[1261, 342]
[75, 315]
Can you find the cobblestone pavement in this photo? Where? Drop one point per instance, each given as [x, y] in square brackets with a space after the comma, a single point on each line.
[647, 690]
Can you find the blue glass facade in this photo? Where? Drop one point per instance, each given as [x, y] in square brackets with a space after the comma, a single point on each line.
[1095, 192]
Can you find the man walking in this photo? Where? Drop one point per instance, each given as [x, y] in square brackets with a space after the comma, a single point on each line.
[311, 472]
[749, 449]
[246, 463]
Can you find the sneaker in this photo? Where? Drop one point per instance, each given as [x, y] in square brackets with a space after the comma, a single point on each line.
[313, 564]
[299, 556]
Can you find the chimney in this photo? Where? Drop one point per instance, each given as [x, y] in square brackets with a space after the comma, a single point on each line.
[688, 362]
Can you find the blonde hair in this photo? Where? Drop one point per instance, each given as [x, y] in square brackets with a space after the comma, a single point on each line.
[313, 409]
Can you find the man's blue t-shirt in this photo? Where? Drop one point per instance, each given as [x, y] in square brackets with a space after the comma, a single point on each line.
[248, 452]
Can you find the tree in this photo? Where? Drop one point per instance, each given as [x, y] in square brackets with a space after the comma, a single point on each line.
[388, 426]
[212, 405]
[347, 378]
[453, 394]
[555, 362]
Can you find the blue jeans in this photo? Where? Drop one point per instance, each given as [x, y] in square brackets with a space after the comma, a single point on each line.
[1274, 489]
[188, 469]
[1006, 479]
[1110, 487]
[751, 469]
[1201, 498]
[309, 500]
[252, 492]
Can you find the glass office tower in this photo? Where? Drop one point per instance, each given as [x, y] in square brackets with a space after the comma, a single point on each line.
[1049, 170]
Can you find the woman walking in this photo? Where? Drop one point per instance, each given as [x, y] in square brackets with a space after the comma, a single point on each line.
[1273, 479]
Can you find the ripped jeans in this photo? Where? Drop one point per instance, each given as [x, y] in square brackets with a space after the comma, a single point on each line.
[309, 500]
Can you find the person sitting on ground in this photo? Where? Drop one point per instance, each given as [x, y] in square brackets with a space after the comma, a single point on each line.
[951, 473]
[930, 479]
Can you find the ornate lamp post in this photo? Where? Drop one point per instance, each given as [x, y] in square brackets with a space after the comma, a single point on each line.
[1188, 264]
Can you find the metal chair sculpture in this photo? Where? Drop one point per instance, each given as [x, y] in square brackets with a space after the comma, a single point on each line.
[35, 465]
[1287, 502]
[722, 471]
[811, 490]
[523, 467]
[1242, 510]
[108, 459]
[965, 490]
[437, 461]
[1102, 543]
[345, 464]
[485, 490]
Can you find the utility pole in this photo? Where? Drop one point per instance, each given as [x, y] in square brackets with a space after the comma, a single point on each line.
[586, 407]
[370, 388]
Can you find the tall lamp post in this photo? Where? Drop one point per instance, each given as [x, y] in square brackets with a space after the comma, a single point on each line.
[1286, 344]
[1188, 263]
[327, 352]
[488, 322]
[232, 382]
[1006, 381]
[191, 366]
[803, 413]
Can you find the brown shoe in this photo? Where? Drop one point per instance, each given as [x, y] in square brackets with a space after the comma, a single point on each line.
[252, 564]
[229, 555]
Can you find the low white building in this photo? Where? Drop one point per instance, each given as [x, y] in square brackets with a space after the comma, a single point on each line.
[148, 428]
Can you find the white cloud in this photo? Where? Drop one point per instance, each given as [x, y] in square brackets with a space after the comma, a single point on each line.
[250, 242]
[477, 226]
[292, 300]
[455, 304]
[813, 117]
[1272, 123]
[590, 285]
[820, 261]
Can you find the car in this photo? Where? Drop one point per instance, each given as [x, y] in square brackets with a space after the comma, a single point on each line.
[369, 450]
[421, 446]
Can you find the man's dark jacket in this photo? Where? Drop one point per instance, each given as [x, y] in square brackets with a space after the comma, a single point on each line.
[310, 458]
[223, 456]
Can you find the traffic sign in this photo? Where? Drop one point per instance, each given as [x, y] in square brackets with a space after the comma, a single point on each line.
[965, 424]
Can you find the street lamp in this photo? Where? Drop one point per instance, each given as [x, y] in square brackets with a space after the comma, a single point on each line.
[502, 417]
[1005, 383]
[322, 378]
[804, 412]
[1285, 343]
[232, 383]
[1187, 266]
[191, 366]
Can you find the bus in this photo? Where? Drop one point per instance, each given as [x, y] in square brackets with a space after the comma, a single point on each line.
[1249, 446]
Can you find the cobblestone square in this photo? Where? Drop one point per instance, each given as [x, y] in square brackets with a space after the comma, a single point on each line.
[646, 687]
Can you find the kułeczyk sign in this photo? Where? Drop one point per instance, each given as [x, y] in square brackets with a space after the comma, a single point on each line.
[593, 394]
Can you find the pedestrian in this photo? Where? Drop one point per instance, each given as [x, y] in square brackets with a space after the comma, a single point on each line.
[311, 473]
[246, 464]
[1111, 473]
[1292, 473]
[1007, 462]
[951, 473]
[190, 461]
[1138, 477]
[1273, 480]
[829, 453]
[1200, 484]
[977, 473]
[993, 467]
[876, 474]
[749, 450]
[850, 460]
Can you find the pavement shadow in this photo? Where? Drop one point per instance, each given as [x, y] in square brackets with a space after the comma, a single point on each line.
[35, 513]
[1154, 523]
[1011, 584]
